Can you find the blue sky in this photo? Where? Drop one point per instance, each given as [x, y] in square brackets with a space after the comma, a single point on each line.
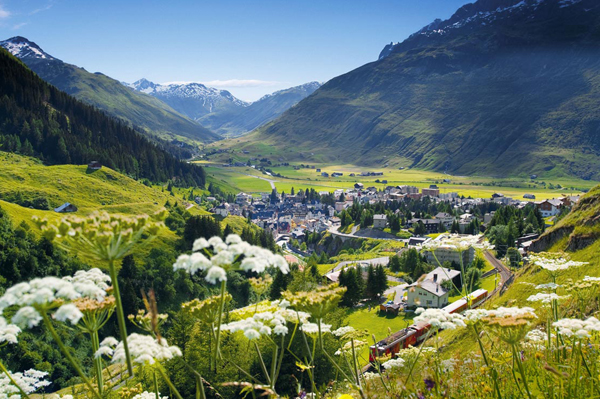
[249, 47]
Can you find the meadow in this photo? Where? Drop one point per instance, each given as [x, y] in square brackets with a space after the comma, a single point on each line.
[235, 179]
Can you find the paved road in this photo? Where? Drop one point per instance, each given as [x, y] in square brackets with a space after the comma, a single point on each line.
[504, 271]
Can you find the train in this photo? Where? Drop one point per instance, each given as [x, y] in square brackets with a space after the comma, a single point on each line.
[416, 333]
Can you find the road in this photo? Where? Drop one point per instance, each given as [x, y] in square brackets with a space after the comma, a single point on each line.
[505, 273]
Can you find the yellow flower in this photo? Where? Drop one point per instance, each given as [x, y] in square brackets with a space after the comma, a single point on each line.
[345, 396]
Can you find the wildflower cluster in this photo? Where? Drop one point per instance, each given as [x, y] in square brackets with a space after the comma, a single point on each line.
[546, 298]
[267, 323]
[28, 382]
[207, 310]
[143, 348]
[8, 332]
[101, 235]
[317, 303]
[42, 294]
[149, 395]
[216, 257]
[576, 327]
[554, 262]
[439, 318]
[458, 242]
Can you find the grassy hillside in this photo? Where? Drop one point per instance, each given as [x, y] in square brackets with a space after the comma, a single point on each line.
[109, 95]
[513, 97]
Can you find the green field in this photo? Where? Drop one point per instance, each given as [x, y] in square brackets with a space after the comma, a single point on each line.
[235, 179]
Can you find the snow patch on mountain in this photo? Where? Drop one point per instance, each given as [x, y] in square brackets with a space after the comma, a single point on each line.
[22, 48]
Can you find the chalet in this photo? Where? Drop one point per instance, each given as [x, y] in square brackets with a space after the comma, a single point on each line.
[94, 165]
[497, 195]
[242, 198]
[528, 196]
[324, 174]
[222, 210]
[359, 186]
[379, 221]
[449, 253]
[432, 226]
[337, 174]
[550, 207]
[318, 170]
[445, 218]
[66, 207]
[428, 291]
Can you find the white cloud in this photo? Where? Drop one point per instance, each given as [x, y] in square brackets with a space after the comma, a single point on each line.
[232, 83]
[46, 7]
[18, 26]
[4, 13]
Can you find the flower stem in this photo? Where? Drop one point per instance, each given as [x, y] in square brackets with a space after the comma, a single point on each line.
[10, 378]
[517, 357]
[120, 315]
[169, 383]
[262, 363]
[220, 317]
[68, 355]
[485, 359]
[97, 361]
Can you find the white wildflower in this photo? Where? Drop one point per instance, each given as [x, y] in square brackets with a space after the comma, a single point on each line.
[200, 244]
[144, 348]
[8, 332]
[393, 363]
[29, 381]
[343, 331]
[440, 318]
[68, 312]
[546, 298]
[27, 317]
[554, 262]
[149, 395]
[215, 274]
[547, 286]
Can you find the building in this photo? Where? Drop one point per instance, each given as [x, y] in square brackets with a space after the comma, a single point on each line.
[432, 226]
[94, 165]
[408, 189]
[445, 218]
[379, 221]
[428, 292]
[528, 196]
[449, 253]
[359, 186]
[550, 207]
[66, 207]
[324, 174]
[222, 210]
[432, 191]
[242, 198]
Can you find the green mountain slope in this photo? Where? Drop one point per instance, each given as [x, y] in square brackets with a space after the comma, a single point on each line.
[240, 120]
[38, 119]
[109, 95]
[505, 87]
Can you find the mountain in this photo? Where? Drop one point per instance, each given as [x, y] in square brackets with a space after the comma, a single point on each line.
[219, 110]
[238, 121]
[37, 119]
[191, 99]
[504, 87]
[107, 94]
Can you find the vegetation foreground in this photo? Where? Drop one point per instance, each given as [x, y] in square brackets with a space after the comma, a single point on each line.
[296, 346]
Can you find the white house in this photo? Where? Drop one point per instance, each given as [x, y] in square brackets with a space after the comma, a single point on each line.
[428, 292]
[222, 210]
[379, 221]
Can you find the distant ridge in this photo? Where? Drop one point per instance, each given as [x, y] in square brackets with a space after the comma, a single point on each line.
[502, 88]
[107, 94]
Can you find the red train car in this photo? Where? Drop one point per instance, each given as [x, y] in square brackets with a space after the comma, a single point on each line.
[415, 334]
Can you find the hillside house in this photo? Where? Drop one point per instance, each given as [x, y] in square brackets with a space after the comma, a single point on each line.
[94, 165]
[550, 207]
[222, 210]
[65, 208]
[428, 291]
[379, 221]
[359, 186]
[325, 174]
[449, 253]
